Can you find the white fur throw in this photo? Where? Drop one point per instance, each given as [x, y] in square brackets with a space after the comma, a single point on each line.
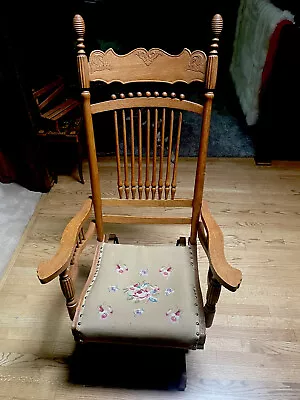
[257, 20]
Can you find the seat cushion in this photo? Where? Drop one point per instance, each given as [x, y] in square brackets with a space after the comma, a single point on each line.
[142, 295]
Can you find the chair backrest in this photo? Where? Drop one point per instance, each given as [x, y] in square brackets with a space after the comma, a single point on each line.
[47, 93]
[148, 123]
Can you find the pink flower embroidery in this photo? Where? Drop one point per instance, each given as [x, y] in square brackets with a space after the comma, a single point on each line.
[173, 316]
[120, 269]
[166, 271]
[105, 311]
[142, 292]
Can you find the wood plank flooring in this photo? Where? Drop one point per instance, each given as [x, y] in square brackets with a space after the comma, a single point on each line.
[253, 349]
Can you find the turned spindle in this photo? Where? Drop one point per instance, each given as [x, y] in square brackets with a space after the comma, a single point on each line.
[210, 84]
[67, 288]
[212, 297]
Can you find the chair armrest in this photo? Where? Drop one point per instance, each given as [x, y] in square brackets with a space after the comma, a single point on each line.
[213, 243]
[48, 270]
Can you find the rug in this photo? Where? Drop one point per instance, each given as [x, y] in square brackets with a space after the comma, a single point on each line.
[17, 205]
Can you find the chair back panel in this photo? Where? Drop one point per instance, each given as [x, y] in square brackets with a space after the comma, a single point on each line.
[148, 125]
[147, 131]
[141, 65]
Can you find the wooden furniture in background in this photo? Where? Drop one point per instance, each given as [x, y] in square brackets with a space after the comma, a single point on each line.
[60, 121]
[146, 177]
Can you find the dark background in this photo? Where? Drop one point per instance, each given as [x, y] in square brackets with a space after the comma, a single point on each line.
[38, 43]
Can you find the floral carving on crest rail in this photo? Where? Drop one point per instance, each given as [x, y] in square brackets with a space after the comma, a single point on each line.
[196, 62]
[98, 62]
[148, 56]
[141, 64]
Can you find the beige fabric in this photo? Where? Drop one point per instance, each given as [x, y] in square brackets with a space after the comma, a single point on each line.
[144, 294]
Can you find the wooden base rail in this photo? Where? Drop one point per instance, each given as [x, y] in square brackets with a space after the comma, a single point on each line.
[107, 202]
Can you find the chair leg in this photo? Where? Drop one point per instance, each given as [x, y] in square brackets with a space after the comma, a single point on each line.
[55, 177]
[68, 290]
[79, 162]
[181, 241]
[182, 382]
[212, 297]
[113, 238]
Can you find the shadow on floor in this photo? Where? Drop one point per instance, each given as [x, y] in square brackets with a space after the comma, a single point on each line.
[135, 367]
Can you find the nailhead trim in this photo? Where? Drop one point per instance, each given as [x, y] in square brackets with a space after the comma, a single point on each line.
[91, 285]
[197, 322]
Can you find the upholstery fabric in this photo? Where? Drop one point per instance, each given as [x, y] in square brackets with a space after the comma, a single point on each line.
[146, 295]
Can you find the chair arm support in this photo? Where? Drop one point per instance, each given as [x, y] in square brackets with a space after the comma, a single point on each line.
[72, 238]
[212, 241]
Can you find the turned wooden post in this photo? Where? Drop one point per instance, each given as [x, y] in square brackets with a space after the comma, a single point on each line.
[210, 84]
[212, 297]
[67, 288]
[83, 71]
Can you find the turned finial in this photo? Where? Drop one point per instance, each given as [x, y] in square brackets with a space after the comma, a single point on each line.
[216, 27]
[79, 27]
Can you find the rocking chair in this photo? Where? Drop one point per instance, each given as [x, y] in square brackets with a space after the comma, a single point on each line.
[135, 294]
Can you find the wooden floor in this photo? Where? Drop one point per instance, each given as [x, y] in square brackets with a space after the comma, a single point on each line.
[252, 350]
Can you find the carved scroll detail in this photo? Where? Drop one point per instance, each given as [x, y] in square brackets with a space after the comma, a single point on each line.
[141, 65]
[197, 62]
[98, 63]
[148, 56]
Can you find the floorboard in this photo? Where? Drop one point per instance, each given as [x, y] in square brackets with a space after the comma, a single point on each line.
[252, 350]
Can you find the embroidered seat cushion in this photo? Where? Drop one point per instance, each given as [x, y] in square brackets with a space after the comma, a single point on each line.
[143, 294]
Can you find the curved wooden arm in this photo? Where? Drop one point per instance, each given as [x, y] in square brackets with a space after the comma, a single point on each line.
[213, 244]
[48, 270]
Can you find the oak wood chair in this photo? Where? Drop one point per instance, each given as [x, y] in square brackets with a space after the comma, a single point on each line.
[60, 119]
[147, 295]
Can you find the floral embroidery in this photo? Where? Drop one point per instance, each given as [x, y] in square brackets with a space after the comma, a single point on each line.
[113, 288]
[166, 271]
[169, 291]
[142, 292]
[144, 272]
[138, 311]
[173, 316]
[105, 311]
[120, 269]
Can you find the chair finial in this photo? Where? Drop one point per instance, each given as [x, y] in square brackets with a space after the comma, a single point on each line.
[217, 25]
[79, 27]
